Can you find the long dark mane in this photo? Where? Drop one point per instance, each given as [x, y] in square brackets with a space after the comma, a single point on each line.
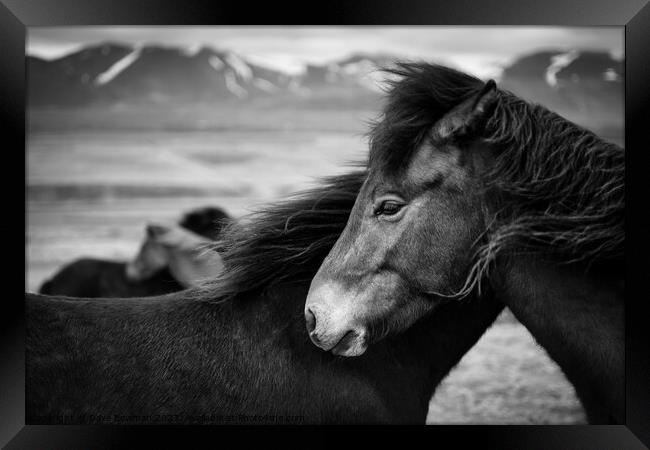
[557, 189]
[285, 241]
[563, 187]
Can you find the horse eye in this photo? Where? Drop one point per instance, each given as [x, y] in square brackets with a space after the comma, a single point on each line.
[388, 208]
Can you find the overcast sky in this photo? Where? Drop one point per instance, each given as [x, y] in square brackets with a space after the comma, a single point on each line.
[480, 50]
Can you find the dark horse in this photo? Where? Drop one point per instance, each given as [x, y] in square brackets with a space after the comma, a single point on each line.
[94, 278]
[471, 187]
[207, 221]
[237, 351]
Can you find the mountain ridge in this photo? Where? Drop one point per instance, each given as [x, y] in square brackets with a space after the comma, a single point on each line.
[115, 73]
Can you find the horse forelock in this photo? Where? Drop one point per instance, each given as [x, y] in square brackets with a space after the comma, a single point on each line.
[418, 95]
[283, 242]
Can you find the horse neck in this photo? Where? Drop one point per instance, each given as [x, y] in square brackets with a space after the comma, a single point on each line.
[440, 341]
[403, 371]
[578, 317]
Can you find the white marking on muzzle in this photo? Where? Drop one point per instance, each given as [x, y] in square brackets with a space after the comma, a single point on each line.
[334, 310]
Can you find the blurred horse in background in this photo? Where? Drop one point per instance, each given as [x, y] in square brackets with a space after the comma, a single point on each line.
[184, 254]
[94, 278]
[207, 221]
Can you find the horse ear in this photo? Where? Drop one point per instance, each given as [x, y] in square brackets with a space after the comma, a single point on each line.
[469, 115]
[156, 230]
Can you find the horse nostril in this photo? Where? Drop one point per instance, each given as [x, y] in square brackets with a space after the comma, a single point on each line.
[310, 319]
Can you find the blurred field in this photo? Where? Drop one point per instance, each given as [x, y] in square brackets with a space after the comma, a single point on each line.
[506, 378]
[91, 190]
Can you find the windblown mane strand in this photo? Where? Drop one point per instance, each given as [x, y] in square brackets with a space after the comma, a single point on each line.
[285, 241]
[563, 187]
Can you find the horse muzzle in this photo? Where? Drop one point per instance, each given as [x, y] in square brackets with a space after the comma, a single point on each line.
[331, 327]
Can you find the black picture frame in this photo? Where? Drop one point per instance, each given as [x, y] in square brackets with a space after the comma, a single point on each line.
[634, 15]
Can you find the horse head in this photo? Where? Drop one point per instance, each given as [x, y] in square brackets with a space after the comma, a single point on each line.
[409, 239]
[186, 254]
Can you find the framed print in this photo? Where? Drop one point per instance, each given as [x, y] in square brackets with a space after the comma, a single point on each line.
[247, 221]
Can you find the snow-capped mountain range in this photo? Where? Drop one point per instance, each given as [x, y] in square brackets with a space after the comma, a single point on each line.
[111, 73]
[114, 72]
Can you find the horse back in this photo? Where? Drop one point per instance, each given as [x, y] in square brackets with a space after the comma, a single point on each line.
[170, 354]
[89, 355]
